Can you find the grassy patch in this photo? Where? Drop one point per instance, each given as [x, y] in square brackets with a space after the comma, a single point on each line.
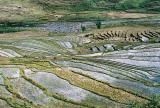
[10, 29]
[154, 103]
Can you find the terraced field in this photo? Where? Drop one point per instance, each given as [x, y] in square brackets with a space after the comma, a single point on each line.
[79, 54]
[108, 68]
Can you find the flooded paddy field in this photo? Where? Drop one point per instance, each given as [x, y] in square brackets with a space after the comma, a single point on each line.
[109, 67]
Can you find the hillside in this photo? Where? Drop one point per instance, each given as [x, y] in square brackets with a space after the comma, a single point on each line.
[35, 10]
[79, 5]
[19, 10]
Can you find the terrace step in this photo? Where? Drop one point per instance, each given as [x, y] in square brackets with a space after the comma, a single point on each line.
[125, 35]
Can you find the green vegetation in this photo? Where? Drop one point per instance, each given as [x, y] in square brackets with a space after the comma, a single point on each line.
[85, 5]
[150, 5]
[154, 103]
[98, 24]
[83, 28]
[10, 29]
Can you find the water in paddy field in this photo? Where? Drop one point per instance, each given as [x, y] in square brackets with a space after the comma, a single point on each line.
[66, 26]
[76, 26]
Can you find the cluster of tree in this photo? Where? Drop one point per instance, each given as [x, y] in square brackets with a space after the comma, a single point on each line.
[98, 25]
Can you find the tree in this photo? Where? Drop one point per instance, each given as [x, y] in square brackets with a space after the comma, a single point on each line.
[83, 28]
[98, 24]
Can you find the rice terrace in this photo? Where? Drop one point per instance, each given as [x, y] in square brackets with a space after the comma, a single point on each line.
[79, 53]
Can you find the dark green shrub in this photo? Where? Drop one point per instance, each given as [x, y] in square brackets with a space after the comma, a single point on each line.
[10, 29]
[98, 24]
[83, 28]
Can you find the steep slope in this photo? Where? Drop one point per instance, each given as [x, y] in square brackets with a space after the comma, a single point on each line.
[34, 10]
[82, 5]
